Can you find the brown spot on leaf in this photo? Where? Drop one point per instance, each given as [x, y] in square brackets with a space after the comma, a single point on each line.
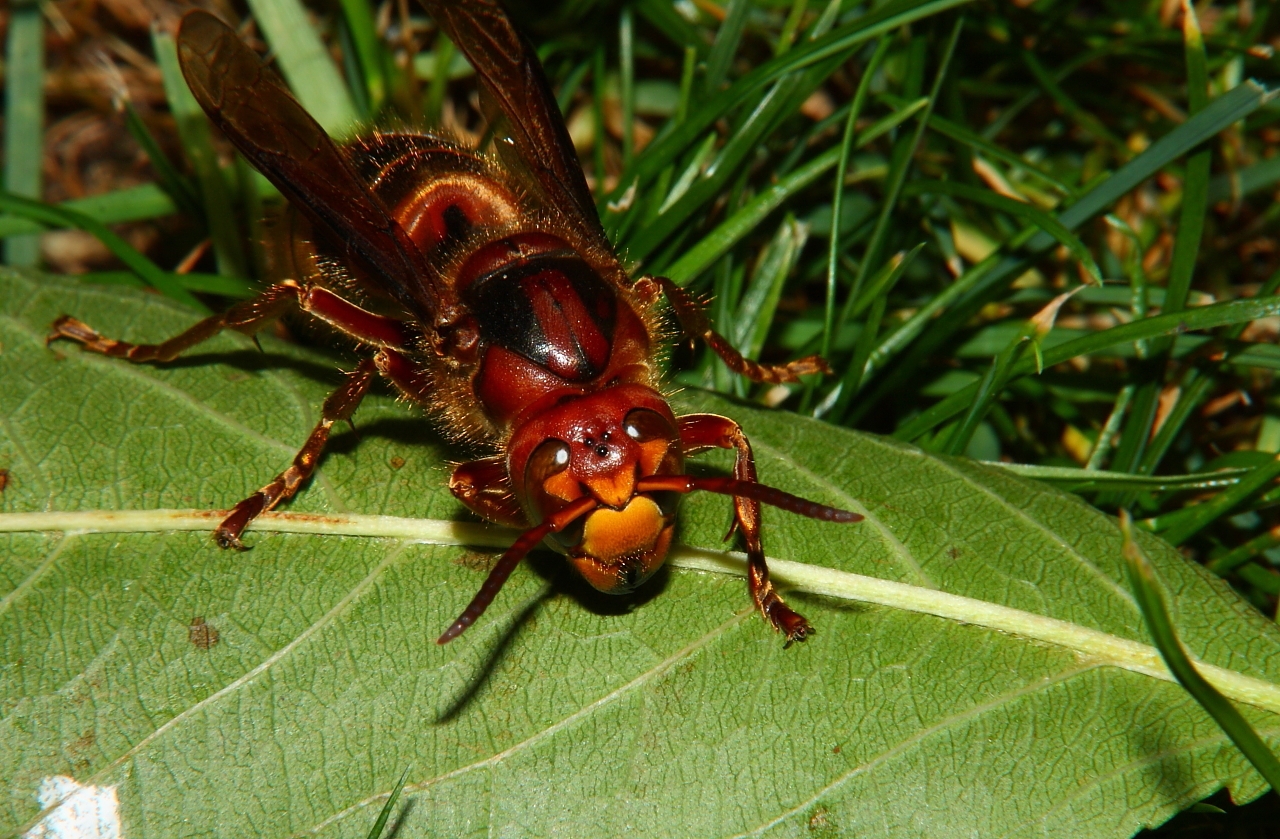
[953, 552]
[4, 479]
[473, 561]
[397, 462]
[202, 635]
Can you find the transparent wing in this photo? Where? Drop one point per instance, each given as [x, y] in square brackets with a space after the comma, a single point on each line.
[278, 136]
[513, 79]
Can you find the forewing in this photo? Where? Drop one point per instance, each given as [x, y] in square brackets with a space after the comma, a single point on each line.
[278, 136]
[513, 78]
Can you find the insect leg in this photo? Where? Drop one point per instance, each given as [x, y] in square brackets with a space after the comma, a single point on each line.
[340, 405]
[485, 487]
[247, 317]
[703, 431]
[693, 320]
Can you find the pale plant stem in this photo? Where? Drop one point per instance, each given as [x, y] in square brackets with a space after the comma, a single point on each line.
[1091, 644]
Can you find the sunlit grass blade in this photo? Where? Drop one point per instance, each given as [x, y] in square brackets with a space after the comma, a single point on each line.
[162, 281]
[24, 118]
[197, 142]
[370, 55]
[782, 99]
[1150, 598]
[306, 65]
[698, 258]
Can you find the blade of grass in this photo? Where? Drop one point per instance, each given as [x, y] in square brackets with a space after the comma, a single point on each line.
[1150, 599]
[701, 256]
[306, 65]
[759, 302]
[627, 84]
[1030, 215]
[1238, 556]
[145, 201]
[375, 832]
[161, 281]
[177, 185]
[197, 143]
[876, 296]
[782, 100]
[1078, 480]
[438, 87]
[837, 199]
[787, 37]
[1195, 206]
[1180, 525]
[725, 46]
[998, 374]
[204, 283]
[1135, 452]
[370, 55]
[24, 118]
[1082, 117]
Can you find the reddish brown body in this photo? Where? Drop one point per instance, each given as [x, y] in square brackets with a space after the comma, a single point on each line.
[490, 295]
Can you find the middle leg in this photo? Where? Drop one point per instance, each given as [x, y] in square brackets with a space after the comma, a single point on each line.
[693, 320]
[340, 405]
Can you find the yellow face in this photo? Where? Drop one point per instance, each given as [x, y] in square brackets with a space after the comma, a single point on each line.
[620, 549]
[600, 450]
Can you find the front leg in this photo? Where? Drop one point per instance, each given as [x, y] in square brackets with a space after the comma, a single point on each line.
[485, 487]
[703, 431]
[340, 405]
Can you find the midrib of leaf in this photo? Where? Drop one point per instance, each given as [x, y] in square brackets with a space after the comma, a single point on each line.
[1099, 647]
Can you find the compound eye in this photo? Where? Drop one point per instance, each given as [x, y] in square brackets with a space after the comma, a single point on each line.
[550, 458]
[644, 425]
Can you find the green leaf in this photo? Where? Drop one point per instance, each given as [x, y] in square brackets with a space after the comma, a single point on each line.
[1005, 669]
